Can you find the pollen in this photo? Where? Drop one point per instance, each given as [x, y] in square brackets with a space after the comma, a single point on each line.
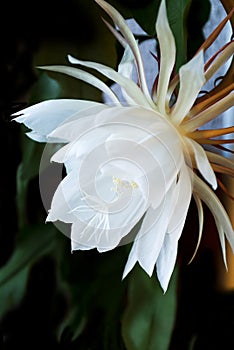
[121, 185]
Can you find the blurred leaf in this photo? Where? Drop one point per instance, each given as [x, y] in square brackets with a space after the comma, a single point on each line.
[149, 317]
[177, 12]
[33, 243]
[96, 297]
[45, 88]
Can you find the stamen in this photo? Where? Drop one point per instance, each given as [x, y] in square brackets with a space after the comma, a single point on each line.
[120, 185]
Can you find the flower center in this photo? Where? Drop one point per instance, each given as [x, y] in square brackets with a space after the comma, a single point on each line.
[121, 185]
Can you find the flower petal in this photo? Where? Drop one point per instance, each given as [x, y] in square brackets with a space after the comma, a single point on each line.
[78, 124]
[129, 37]
[131, 89]
[167, 257]
[149, 240]
[167, 55]
[220, 215]
[84, 76]
[46, 116]
[210, 113]
[191, 81]
[125, 68]
[202, 162]
[201, 222]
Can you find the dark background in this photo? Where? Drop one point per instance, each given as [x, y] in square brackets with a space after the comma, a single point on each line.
[204, 314]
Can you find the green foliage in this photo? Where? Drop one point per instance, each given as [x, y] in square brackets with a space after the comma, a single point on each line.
[45, 88]
[32, 243]
[149, 317]
[177, 12]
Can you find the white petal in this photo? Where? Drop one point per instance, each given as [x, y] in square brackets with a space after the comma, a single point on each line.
[44, 117]
[221, 160]
[203, 163]
[126, 64]
[149, 240]
[64, 199]
[191, 81]
[167, 55]
[79, 123]
[125, 68]
[96, 221]
[84, 76]
[167, 257]
[182, 200]
[129, 37]
[220, 215]
[201, 222]
[131, 89]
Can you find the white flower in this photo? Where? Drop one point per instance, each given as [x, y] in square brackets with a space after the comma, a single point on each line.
[141, 159]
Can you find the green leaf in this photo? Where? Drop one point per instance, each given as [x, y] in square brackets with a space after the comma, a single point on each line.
[149, 317]
[45, 88]
[177, 12]
[33, 243]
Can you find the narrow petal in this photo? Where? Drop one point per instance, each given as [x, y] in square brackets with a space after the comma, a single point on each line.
[202, 162]
[84, 76]
[131, 89]
[211, 38]
[149, 240]
[126, 64]
[209, 113]
[129, 37]
[220, 215]
[182, 200]
[167, 55]
[46, 116]
[191, 81]
[125, 68]
[201, 223]
[220, 160]
[220, 60]
[167, 257]
[222, 243]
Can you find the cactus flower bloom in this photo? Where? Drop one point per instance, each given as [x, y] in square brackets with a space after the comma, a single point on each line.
[138, 159]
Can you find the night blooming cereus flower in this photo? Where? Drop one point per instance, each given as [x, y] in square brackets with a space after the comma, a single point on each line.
[141, 159]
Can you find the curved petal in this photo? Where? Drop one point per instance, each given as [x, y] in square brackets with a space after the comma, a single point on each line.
[46, 116]
[202, 162]
[220, 215]
[182, 200]
[167, 55]
[125, 68]
[86, 77]
[209, 113]
[201, 222]
[220, 160]
[131, 89]
[150, 238]
[81, 122]
[100, 217]
[191, 81]
[129, 37]
[167, 257]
